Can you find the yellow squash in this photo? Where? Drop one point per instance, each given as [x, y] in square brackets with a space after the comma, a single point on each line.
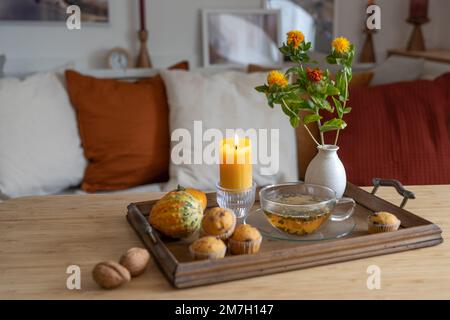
[178, 214]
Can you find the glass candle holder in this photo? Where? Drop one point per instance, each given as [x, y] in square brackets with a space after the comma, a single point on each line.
[240, 201]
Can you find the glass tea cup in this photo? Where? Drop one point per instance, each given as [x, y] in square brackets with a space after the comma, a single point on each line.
[301, 208]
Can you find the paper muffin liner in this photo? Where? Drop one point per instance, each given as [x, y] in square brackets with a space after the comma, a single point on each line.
[379, 228]
[191, 238]
[244, 247]
[224, 236]
[207, 255]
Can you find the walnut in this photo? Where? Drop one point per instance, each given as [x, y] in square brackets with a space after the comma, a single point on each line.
[110, 275]
[135, 260]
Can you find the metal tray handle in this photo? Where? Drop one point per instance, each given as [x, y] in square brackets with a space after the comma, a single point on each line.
[148, 230]
[406, 194]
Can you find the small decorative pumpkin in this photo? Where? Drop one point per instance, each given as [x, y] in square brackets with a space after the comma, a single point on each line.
[198, 194]
[177, 215]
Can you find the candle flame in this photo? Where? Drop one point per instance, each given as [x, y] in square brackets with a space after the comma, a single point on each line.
[236, 141]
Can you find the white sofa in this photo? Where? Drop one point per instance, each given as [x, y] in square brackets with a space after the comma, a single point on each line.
[43, 153]
[13, 98]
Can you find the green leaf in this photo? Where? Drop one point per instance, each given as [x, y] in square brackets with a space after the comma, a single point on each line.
[331, 59]
[270, 100]
[298, 91]
[348, 70]
[276, 89]
[295, 121]
[262, 89]
[341, 84]
[322, 103]
[332, 91]
[339, 107]
[315, 100]
[294, 70]
[296, 105]
[347, 110]
[300, 57]
[287, 111]
[310, 118]
[285, 50]
[312, 106]
[337, 103]
[333, 124]
[327, 106]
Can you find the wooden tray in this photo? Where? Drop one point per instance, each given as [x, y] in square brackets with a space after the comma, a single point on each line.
[279, 256]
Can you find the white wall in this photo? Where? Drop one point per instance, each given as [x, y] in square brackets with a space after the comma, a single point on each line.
[395, 31]
[175, 32]
[37, 46]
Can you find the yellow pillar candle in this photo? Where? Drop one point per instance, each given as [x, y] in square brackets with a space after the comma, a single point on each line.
[236, 163]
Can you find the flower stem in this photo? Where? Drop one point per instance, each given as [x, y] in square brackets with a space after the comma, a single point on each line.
[322, 138]
[345, 106]
[337, 137]
[307, 129]
[319, 124]
[287, 107]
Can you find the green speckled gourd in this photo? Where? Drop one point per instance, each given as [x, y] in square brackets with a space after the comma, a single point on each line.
[177, 215]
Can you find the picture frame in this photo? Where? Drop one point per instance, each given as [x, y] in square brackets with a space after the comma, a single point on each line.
[319, 15]
[53, 12]
[236, 38]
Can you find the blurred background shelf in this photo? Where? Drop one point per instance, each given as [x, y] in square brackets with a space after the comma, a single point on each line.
[436, 55]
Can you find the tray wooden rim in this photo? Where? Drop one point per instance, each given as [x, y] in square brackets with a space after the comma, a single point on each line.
[418, 233]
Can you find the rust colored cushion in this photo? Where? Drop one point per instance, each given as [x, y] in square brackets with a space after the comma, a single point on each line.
[124, 130]
[362, 79]
[398, 131]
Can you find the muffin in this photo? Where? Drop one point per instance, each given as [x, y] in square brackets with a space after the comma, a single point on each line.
[245, 240]
[208, 248]
[383, 222]
[219, 222]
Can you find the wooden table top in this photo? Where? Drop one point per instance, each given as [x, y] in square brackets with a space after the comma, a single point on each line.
[41, 236]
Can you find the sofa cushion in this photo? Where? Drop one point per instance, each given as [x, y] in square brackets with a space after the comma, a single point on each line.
[433, 70]
[124, 130]
[398, 131]
[396, 69]
[444, 82]
[223, 101]
[40, 149]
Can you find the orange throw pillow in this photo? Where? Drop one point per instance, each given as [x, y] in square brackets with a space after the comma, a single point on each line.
[124, 129]
[361, 79]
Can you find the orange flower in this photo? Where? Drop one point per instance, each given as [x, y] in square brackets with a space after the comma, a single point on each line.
[341, 45]
[295, 38]
[276, 78]
[314, 75]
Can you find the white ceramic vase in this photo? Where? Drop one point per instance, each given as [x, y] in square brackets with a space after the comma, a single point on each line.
[326, 169]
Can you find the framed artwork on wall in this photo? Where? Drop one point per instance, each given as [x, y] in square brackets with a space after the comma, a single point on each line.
[315, 18]
[235, 38]
[92, 11]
